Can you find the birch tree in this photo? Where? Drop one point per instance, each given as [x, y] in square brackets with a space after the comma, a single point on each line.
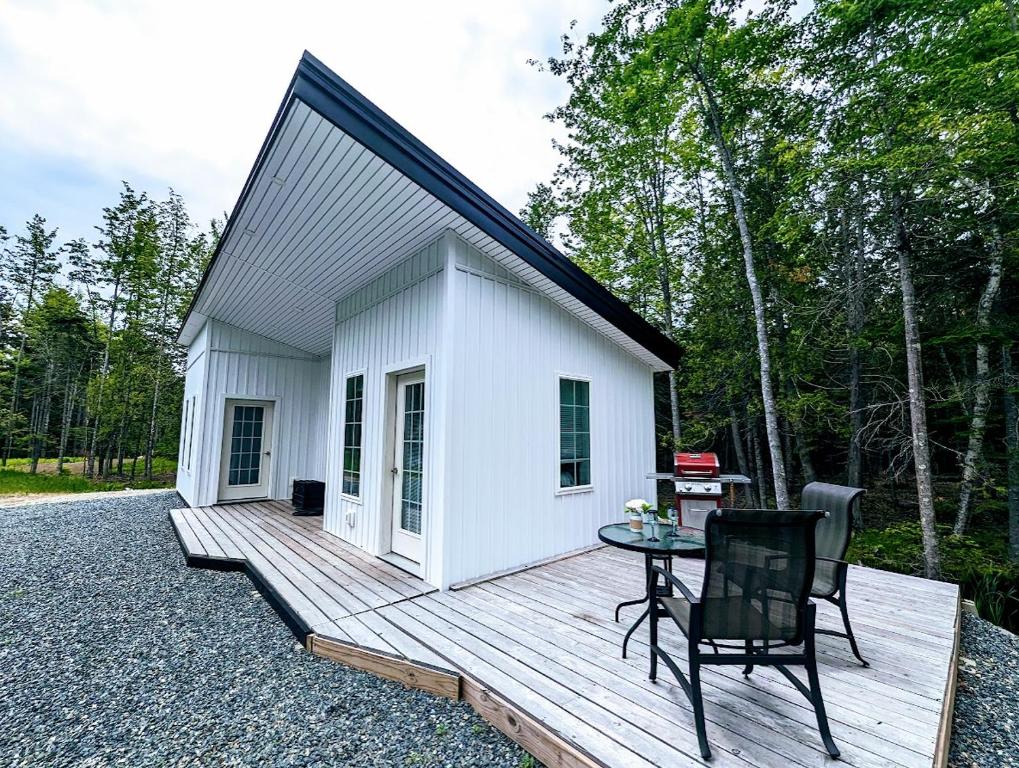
[701, 45]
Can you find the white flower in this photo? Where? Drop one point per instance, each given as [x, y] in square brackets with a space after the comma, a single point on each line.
[637, 505]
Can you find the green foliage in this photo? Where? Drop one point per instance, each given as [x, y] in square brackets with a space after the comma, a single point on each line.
[829, 119]
[978, 562]
[17, 482]
[94, 367]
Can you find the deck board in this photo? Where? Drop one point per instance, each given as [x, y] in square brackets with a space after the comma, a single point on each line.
[538, 652]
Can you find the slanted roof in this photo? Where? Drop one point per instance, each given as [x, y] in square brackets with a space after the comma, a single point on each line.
[340, 193]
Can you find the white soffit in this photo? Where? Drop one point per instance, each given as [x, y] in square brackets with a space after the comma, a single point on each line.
[324, 217]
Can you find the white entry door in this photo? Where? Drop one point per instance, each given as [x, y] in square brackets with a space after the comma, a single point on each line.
[247, 458]
[408, 468]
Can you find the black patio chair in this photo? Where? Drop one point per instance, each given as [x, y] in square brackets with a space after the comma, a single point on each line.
[833, 535]
[758, 568]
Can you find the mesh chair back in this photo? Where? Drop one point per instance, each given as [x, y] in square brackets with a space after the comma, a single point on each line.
[759, 565]
[833, 532]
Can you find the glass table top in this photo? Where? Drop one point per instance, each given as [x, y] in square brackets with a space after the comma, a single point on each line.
[686, 540]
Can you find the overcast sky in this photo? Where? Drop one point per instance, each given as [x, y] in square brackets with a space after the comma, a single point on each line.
[180, 94]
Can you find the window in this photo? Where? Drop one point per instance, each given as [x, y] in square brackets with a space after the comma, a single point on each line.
[574, 433]
[352, 418]
[184, 433]
[191, 432]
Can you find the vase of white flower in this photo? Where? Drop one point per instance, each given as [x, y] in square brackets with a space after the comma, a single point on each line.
[636, 509]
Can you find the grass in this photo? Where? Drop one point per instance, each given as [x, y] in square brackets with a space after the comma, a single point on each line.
[20, 462]
[17, 480]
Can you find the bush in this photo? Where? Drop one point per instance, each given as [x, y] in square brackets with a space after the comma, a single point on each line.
[977, 562]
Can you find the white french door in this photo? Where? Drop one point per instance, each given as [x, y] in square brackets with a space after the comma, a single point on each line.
[408, 470]
[246, 458]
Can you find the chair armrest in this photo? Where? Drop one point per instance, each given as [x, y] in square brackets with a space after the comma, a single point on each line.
[676, 583]
[832, 560]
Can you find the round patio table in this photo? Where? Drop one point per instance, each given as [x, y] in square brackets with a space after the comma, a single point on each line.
[686, 542]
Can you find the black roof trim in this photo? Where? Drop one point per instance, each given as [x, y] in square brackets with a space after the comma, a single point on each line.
[339, 103]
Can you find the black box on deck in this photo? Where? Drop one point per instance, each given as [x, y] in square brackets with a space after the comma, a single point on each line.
[309, 497]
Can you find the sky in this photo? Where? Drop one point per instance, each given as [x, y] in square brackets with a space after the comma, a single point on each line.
[181, 94]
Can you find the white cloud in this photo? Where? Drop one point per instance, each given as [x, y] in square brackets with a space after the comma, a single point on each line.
[182, 93]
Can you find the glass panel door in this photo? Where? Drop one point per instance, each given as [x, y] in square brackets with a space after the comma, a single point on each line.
[413, 456]
[245, 458]
[246, 445]
[408, 468]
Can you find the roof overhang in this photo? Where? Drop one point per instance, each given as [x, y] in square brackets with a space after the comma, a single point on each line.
[338, 195]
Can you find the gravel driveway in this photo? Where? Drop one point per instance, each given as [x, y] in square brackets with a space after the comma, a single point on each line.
[986, 727]
[113, 652]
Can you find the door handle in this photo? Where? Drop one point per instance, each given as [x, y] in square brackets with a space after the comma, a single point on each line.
[394, 471]
[268, 453]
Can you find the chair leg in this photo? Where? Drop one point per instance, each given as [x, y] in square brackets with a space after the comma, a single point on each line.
[815, 686]
[698, 703]
[750, 650]
[849, 628]
[818, 702]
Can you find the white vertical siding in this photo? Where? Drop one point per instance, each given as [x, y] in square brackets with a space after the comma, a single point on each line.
[243, 365]
[509, 344]
[393, 322]
[189, 459]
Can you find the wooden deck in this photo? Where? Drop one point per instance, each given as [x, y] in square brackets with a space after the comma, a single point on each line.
[537, 652]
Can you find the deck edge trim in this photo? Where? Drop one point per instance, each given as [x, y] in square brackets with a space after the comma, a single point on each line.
[943, 744]
[413, 674]
[283, 609]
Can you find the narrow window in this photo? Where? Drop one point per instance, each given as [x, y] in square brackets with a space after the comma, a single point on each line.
[352, 418]
[184, 433]
[191, 432]
[574, 433]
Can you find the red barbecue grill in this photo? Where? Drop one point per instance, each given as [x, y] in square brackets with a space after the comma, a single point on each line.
[698, 480]
[698, 487]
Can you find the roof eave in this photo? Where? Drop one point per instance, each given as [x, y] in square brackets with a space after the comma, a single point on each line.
[343, 106]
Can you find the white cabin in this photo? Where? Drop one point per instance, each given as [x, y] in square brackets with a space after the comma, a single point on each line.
[473, 401]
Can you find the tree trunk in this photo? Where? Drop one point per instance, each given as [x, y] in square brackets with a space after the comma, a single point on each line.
[917, 403]
[66, 416]
[762, 483]
[711, 113]
[741, 456]
[15, 385]
[982, 393]
[150, 443]
[33, 441]
[1012, 450]
[806, 463]
[855, 270]
[103, 371]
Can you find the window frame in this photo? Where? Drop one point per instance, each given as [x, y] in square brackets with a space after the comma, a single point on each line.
[561, 490]
[356, 499]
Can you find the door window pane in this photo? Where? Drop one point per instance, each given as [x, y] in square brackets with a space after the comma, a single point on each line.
[574, 433]
[246, 445]
[352, 410]
[413, 457]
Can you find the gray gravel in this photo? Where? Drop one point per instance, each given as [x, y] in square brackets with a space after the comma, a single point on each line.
[986, 727]
[113, 652]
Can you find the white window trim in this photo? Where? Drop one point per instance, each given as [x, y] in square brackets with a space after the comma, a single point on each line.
[363, 372]
[570, 490]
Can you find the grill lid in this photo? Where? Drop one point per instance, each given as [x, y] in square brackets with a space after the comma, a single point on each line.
[697, 465]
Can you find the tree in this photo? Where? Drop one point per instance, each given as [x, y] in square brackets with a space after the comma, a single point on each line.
[618, 186]
[722, 64]
[29, 270]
